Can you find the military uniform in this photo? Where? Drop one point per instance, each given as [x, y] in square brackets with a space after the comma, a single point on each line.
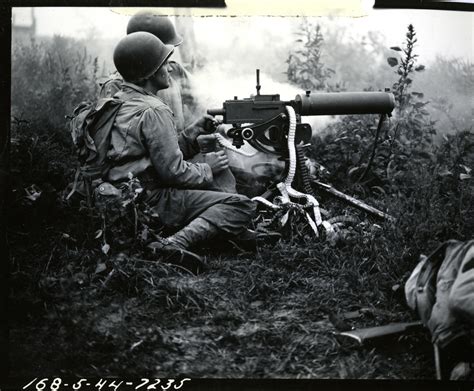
[145, 142]
[173, 96]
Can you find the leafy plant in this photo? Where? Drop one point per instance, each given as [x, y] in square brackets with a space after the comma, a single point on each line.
[305, 67]
[409, 141]
[428, 184]
[405, 144]
[406, 66]
[126, 222]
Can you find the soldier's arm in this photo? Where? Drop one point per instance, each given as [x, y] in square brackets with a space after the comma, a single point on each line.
[160, 137]
[187, 141]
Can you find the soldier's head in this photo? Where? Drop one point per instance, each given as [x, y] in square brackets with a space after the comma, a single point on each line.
[141, 58]
[158, 25]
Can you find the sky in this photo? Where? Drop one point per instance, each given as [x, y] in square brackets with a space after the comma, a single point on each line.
[447, 33]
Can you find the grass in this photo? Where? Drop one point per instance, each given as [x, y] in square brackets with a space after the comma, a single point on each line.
[258, 315]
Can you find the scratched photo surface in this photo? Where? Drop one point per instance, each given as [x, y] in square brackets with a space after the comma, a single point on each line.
[382, 109]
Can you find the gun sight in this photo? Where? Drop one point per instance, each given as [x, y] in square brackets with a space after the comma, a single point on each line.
[258, 82]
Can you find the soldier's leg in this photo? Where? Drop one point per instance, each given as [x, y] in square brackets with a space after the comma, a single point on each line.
[199, 216]
[223, 181]
[227, 213]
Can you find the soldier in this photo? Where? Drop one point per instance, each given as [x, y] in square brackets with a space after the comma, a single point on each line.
[179, 86]
[144, 142]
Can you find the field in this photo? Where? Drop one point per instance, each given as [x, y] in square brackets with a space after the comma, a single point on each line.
[79, 310]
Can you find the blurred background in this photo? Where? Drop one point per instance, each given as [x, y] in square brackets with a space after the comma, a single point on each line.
[222, 53]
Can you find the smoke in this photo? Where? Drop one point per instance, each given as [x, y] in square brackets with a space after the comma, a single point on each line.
[217, 82]
[220, 81]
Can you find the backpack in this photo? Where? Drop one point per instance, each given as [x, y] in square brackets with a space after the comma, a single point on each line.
[91, 126]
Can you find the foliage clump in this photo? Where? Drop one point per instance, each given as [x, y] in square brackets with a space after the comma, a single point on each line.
[305, 66]
[404, 169]
[49, 78]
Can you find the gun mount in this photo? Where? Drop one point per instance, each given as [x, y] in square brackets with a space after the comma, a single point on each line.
[262, 120]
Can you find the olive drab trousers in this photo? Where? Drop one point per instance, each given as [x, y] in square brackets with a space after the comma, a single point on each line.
[176, 208]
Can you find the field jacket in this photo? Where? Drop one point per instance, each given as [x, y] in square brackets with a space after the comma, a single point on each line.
[441, 290]
[145, 143]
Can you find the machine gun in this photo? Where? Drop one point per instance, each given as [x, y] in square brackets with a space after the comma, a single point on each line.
[274, 126]
[262, 120]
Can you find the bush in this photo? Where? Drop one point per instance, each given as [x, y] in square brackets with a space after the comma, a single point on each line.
[424, 183]
[305, 66]
[330, 57]
[49, 78]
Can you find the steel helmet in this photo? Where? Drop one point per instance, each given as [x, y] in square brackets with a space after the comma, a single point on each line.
[156, 24]
[139, 55]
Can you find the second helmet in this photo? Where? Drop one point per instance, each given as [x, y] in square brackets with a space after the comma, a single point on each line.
[158, 25]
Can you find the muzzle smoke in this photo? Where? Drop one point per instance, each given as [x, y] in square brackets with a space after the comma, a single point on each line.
[217, 82]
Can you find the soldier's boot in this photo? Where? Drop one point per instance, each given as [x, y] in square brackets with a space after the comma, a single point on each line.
[250, 239]
[175, 248]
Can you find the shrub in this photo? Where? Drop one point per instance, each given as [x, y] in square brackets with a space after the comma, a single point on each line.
[305, 67]
[355, 152]
[426, 185]
[49, 78]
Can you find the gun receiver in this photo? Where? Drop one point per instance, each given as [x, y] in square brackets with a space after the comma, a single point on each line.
[265, 116]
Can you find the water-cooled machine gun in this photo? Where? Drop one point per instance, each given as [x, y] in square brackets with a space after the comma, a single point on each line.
[274, 126]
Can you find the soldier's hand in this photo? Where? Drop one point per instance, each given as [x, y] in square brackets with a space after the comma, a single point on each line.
[207, 123]
[218, 161]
